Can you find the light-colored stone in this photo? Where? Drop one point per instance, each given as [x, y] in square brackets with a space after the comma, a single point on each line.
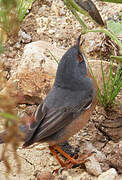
[111, 174]
[85, 176]
[115, 156]
[99, 157]
[119, 177]
[24, 37]
[64, 175]
[98, 154]
[93, 166]
[38, 54]
[70, 175]
[44, 175]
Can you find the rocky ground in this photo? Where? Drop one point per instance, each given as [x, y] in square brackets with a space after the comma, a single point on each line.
[50, 27]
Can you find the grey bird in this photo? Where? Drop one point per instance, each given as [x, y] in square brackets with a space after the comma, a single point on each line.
[69, 104]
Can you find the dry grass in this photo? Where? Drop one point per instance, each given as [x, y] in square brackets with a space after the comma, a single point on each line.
[10, 123]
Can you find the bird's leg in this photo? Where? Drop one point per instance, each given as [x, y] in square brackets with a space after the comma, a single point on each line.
[81, 160]
[67, 164]
[56, 155]
[83, 157]
[70, 160]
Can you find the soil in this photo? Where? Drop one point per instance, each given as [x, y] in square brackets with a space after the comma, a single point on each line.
[52, 22]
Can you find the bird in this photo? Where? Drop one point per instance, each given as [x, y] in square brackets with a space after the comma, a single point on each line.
[67, 107]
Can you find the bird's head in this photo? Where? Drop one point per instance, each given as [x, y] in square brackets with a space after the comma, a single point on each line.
[72, 67]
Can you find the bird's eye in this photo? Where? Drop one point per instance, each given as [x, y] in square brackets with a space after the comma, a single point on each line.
[80, 58]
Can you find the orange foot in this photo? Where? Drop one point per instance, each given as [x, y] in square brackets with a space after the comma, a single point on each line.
[70, 160]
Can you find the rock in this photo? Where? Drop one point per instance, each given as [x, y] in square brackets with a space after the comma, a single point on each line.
[37, 54]
[55, 8]
[29, 86]
[65, 176]
[119, 177]
[93, 166]
[97, 163]
[70, 175]
[98, 154]
[24, 37]
[112, 126]
[45, 175]
[11, 54]
[17, 45]
[28, 77]
[115, 156]
[85, 176]
[111, 174]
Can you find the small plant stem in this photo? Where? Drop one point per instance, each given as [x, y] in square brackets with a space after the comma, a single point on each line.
[109, 82]
[112, 1]
[73, 7]
[118, 58]
[53, 56]
[20, 6]
[100, 96]
[112, 36]
[85, 28]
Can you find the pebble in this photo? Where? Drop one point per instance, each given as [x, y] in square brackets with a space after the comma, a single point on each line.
[52, 31]
[93, 166]
[67, 175]
[111, 174]
[42, 9]
[25, 37]
[45, 175]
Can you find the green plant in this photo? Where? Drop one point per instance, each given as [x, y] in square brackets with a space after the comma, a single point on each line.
[111, 87]
[9, 21]
[22, 8]
[74, 7]
[12, 13]
[113, 84]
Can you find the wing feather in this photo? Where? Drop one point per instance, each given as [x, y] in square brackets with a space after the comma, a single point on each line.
[39, 116]
[51, 121]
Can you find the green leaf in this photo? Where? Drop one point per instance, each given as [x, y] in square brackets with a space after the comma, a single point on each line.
[8, 115]
[115, 27]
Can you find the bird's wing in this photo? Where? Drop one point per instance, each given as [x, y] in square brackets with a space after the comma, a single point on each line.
[51, 121]
[39, 116]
